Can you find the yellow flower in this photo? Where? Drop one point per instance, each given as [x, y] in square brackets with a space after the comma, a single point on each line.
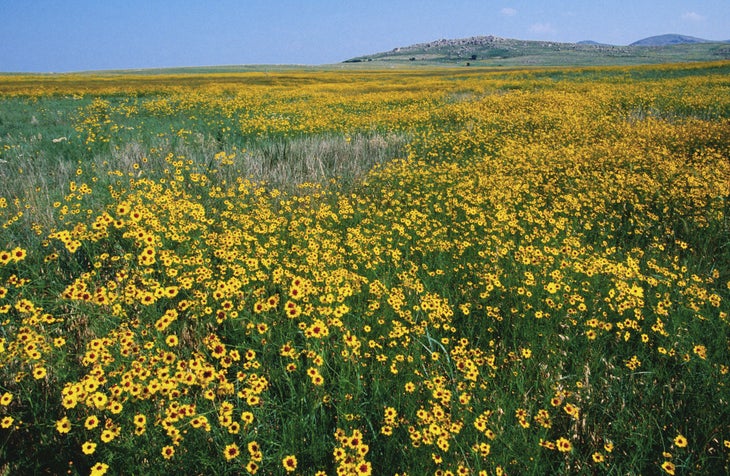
[39, 373]
[252, 467]
[18, 254]
[168, 451]
[247, 417]
[563, 445]
[63, 425]
[115, 407]
[668, 467]
[547, 444]
[91, 422]
[572, 410]
[6, 422]
[99, 400]
[680, 441]
[6, 398]
[364, 468]
[99, 469]
[140, 420]
[88, 448]
[231, 451]
[289, 463]
[107, 436]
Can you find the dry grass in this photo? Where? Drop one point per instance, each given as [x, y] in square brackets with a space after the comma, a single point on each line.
[287, 163]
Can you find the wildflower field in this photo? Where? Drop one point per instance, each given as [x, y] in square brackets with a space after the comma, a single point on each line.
[354, 272]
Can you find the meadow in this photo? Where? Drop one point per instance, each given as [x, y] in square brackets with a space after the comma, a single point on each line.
[412, 271]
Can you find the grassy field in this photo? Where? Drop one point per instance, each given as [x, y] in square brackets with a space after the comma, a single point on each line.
[443, 271]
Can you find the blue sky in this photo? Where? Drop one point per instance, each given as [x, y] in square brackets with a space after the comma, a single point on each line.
[80, 35]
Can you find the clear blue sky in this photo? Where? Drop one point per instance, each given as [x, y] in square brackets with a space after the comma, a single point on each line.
[78, 35]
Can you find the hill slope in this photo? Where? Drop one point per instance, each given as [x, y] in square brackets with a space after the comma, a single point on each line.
[496, 51]
[669, 39]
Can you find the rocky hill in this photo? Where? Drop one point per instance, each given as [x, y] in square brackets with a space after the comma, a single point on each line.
[496, 51]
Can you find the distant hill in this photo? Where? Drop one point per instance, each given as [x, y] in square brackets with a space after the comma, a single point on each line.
[591, 42]
[496, 51]
[670, 39]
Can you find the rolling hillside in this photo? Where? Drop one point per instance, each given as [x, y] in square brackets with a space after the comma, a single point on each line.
[667, 40]
[496, 51]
